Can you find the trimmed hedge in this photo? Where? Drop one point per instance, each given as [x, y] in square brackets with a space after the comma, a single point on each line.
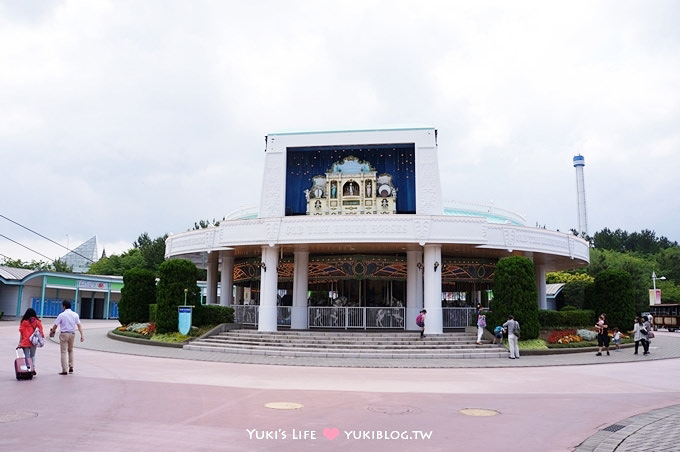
[614, 295]
[153, 309]
[566, 319]
[515, 293]
[203, 315]
[138, 291]
[212, 315]
[176, 276]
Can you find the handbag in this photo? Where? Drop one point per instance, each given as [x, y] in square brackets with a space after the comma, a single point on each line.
[650, 335]
[37, 338]
[516, 330]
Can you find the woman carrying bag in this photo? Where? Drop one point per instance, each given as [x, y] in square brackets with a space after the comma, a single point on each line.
[31, 326]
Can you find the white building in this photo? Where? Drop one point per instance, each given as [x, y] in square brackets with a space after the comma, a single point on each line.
[352, 231]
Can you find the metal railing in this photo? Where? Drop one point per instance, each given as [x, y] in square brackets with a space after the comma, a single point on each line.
[458, 317]
[283, 315]
[246, 314]
[354, 317]
[250, 314]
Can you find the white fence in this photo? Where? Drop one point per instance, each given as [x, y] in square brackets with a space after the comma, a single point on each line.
[246, 314]
[283, 315]
[250, 314]
[458, 317]
[354, 317]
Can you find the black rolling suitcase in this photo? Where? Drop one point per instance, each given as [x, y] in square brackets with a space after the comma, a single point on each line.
[23, 367]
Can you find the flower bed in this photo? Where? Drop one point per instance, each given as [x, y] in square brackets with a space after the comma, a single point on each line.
[564, 337]
[148, 331]
[576, 338]
[144, 329]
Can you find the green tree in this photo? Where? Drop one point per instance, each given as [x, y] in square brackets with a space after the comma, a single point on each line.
[565, 277]
[175, 275]
[118, 265]
[637, 266]
[644, 242]
[613, 295]
[152, 250]
[138, 292]
[514, 290]
[670, 292]
[204, 224]
[60, 266]
[574, 293]
[608, 240]
[668, 261]
[33, 265]
[556, 277]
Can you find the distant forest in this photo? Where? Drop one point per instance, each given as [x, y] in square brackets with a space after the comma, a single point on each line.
[645, 242]
[650, 261]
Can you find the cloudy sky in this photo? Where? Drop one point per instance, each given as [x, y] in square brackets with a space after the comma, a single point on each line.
[123, 117]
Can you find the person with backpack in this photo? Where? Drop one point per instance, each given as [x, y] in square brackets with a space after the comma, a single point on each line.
[498, 334]
[29, 324]
[512, 327]
[420, 321]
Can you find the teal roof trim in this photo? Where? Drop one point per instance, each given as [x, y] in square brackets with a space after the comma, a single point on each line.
[491, 218]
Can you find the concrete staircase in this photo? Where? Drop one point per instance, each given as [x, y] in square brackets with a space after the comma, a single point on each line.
[342, 344]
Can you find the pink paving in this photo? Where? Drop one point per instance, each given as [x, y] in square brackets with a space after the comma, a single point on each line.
[117, 401]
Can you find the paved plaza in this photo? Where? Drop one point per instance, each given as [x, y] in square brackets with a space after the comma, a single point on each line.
[132, 397]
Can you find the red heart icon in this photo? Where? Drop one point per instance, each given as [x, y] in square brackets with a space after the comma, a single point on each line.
[331, 433]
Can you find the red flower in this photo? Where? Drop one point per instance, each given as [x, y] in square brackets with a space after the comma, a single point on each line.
[555, 336]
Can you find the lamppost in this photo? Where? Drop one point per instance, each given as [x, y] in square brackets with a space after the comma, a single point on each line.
[654, 278]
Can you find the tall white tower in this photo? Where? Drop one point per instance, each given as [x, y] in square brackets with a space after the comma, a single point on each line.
[579, 163]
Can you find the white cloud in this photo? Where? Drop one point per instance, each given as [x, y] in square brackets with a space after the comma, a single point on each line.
[124, 117]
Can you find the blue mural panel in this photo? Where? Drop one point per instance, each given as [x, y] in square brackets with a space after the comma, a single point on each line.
[303, 163]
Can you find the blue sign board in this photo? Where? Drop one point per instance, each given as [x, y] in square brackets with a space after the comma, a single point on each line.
[184, 319]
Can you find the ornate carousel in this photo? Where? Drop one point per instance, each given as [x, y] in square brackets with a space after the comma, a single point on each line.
[352, 233]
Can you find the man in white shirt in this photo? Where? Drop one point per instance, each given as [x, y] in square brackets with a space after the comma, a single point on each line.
[67, 321]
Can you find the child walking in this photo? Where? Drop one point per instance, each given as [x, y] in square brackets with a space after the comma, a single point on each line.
[617, 339]
[498, 335]
[420, 321]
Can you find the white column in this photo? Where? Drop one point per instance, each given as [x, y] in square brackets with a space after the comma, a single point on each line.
[414, 288]
[227, 278]
[211, 268]
[268, 288]
[298, 319]
[432, 290]
[539, 272]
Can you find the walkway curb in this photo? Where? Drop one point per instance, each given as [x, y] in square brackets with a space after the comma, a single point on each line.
[140, 341]
[645, 431]
[567, 350]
